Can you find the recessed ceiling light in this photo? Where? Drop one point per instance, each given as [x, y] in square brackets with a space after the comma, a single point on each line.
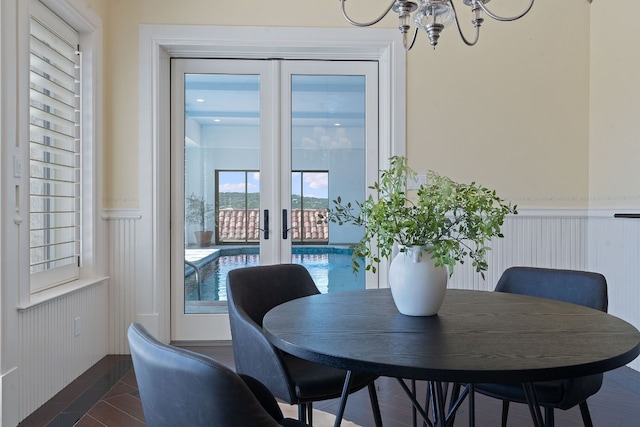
[199, 100]
[336, 124]
[216, 120]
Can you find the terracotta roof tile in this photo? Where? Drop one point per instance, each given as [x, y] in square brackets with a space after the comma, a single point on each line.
[232, 225]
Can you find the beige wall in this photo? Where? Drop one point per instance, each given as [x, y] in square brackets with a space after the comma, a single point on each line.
[98, 6]
[511, 113]
[615, 105]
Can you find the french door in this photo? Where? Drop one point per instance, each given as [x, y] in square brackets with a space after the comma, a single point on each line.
[259, 148]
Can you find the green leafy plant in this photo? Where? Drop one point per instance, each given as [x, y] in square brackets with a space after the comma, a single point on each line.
[198, 212]
[449, 219]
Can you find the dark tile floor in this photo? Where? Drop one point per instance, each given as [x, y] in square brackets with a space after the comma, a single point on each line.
[107, 396]
[84, 393]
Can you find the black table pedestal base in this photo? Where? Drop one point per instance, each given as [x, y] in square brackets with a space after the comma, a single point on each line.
[436, 399]
[343, 402]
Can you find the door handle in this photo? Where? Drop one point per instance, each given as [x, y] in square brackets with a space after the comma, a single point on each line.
[285, 230]
[266, 224]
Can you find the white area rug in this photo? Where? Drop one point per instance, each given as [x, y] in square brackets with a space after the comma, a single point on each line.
[320, 418]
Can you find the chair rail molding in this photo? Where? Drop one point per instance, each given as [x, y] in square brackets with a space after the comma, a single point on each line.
[120, 214]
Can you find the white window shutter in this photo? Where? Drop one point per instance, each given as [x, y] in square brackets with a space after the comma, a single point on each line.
[55, 157]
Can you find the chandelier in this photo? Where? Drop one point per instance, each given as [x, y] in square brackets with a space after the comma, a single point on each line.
[433, 16]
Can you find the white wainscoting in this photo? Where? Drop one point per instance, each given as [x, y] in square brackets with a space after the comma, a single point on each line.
[614, 250]
[121, 229]
[555, 238]
[51, 355]
[567, 239]
[537, 238]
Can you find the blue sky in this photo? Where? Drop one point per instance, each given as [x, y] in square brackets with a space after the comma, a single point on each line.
[315, 184]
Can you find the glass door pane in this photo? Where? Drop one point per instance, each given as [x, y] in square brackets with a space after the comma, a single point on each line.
[221, 159]
[333, 131]
[218, 129]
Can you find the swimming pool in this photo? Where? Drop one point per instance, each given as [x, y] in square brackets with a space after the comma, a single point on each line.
[330, 267]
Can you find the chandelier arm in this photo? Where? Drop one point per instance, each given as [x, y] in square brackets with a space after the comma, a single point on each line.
[501, 18]
[413, 40]
[464, 39]
[364, 24]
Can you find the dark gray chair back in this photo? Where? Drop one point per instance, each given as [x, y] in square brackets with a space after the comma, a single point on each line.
[578, 287]
[251, 293]
[572, 286]
[181, 388]
[256, 290]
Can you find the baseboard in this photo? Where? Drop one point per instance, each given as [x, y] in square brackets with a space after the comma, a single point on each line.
[9, 393]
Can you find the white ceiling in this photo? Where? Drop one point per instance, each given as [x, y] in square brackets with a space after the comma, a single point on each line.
[225, 99]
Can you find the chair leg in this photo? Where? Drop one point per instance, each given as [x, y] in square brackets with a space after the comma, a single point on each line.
[305, 413]
[549, 418]
[472, 405]
[505, 412]
[375, 406]
[586, 416]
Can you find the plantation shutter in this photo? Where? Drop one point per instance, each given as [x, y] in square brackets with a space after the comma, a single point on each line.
[54, 150]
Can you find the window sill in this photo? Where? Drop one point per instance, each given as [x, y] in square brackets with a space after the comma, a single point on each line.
[47, 295]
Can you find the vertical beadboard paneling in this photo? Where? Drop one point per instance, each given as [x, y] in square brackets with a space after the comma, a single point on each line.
[614, 250]
[51, 355]
[547, 240]
[607, 245]
[122, 283]
[532, 240]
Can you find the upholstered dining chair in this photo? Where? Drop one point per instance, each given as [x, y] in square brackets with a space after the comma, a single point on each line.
[182, 388]
[251, 293]
[578, 287]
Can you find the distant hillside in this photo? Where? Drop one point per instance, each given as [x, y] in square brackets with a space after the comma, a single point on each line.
[237, 201]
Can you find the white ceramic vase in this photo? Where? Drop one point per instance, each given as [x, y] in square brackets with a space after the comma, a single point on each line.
[417, 285]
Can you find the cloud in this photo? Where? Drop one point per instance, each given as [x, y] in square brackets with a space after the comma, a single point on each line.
[232, 188]
[252, 186]
[316, 180]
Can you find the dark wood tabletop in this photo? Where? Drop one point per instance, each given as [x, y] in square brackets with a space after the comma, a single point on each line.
[476, 337]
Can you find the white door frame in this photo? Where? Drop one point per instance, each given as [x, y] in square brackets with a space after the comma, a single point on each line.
[157, 45]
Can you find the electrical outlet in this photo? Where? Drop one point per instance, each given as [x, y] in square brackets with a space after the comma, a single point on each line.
[76, 326]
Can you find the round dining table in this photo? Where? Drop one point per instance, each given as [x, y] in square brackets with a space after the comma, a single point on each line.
[476, 337]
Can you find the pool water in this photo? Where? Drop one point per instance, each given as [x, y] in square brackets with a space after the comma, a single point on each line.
[330, 267]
